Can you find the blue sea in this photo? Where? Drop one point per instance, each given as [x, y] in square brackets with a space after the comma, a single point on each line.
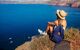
[19, 22]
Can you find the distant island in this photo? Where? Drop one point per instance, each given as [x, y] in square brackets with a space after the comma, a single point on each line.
[71, 3]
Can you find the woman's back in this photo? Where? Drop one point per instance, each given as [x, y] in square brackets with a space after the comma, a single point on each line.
[61, 22]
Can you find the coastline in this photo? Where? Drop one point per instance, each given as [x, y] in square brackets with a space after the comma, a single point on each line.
[55, 3]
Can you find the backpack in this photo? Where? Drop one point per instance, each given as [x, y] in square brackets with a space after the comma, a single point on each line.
[54, 35]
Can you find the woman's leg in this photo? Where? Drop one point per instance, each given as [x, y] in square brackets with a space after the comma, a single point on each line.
[49, 28]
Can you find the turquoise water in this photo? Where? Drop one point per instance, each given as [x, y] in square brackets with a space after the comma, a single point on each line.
[19, 22]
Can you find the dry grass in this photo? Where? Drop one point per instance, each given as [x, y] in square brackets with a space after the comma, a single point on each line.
[73, 36]
[43, 42]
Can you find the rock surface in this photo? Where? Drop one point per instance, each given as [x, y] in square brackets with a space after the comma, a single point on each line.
[43, 43]
[64, 45]
[70, 42]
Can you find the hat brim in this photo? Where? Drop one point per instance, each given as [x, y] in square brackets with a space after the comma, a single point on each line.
[60, 15]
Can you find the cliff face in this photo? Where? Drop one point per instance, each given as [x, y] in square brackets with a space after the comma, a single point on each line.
[70, 42]
[43, 43]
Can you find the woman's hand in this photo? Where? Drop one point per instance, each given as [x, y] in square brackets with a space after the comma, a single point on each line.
[51, 23]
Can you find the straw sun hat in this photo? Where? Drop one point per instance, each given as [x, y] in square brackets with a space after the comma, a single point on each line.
[61, 14]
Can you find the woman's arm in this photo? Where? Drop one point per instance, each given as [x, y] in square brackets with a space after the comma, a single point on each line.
[51, 23]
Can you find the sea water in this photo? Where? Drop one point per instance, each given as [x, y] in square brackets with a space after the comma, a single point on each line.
[19, 22]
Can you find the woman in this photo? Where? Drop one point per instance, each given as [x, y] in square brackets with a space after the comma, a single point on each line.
[56, 29]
